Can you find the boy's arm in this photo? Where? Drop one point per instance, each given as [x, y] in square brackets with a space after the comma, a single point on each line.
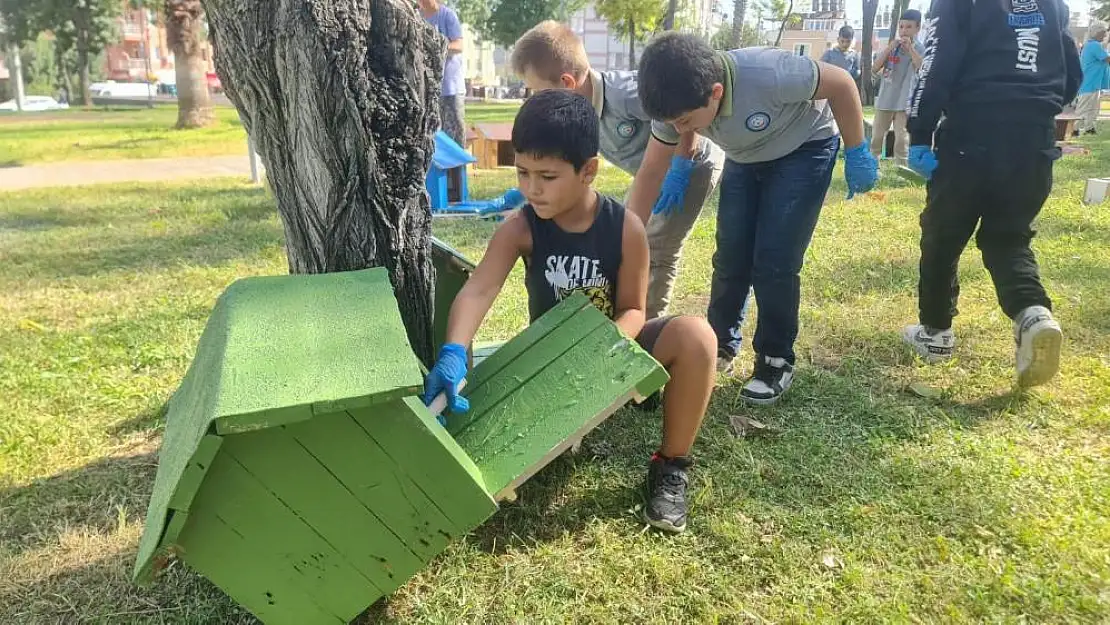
[481, 289]
[837, 86]
[944, 55]
[880, 60]
[454, 33]
[915, 56]
[632, 278]
[649, 178]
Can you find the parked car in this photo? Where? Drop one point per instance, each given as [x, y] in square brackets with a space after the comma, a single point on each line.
[113, 89]
[34, 103]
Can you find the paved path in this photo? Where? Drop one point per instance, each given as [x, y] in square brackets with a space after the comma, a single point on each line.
[72, 173]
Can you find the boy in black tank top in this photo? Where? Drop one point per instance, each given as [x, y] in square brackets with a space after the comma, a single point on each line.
[572, 239]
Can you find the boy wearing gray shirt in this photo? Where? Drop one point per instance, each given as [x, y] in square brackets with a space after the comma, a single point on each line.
[776, 116]
[551, 56]
[898, 64]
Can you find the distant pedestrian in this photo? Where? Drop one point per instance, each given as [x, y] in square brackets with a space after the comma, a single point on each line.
[843, 56]
[1096, 69]
[898, 65]
[452, 98]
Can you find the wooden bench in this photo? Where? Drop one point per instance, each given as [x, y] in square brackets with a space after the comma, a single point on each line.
[301, 474]
[1065, 126]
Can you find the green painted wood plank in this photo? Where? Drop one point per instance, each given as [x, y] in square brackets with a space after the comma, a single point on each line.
[452, 272]
[296, 478]
[269, 526]
[549, 412]
[521, 343]
[275, 350]
[412, 438]
[379, 483]
[528, 364]
[251, 577]
[194, 472]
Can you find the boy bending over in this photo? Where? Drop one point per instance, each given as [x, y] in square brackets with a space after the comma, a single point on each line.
[555, 137]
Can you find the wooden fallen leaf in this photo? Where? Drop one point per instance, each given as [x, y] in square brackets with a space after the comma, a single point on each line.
[31, 324]
[831, 561]
[744, 427]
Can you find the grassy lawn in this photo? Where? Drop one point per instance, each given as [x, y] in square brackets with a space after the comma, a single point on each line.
[115, 133]
[895, 492]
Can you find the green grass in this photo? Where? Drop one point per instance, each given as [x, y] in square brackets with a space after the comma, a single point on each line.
[873, 504]
[122, 133]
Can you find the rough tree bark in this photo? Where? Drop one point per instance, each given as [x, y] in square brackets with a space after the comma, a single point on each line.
[668, 17]
[341, 99]
[739, 8]
[632, 45]
[867, 80]
[184, 28]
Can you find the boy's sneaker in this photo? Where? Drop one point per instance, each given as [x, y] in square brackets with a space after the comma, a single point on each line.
[770, 379]
[1038, 337]
[725, 363]
[931, 344]
[666, 493]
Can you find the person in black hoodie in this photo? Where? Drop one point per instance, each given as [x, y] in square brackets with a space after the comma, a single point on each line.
[998, 72]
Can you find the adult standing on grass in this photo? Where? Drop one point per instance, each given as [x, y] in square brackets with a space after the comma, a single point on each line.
[452, 98]
[999, 75]
[551, 56]
[843, 56]
[900, 61]
[775, 115]
[1096, 69]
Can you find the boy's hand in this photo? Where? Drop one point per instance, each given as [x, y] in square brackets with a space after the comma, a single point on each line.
[673, 194]
[922, 160]
[445, 376]
[861, 170]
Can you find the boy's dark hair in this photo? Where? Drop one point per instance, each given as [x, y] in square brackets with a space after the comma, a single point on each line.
[912, 15]
[677, 74]
[557, 123]
[846, 32]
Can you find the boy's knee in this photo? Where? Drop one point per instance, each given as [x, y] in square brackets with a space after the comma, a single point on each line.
[697, 341]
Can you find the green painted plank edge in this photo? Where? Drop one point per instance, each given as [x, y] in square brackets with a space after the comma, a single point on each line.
[452, 272]
[522, 342]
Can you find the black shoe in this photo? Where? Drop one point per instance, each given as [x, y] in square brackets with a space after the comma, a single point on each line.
[666, 493]
[771, 378]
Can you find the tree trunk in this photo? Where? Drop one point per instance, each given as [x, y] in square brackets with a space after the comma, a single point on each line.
[739, 8]
[782, 26]
[668, 17]
[632, 45]
[896, 10]
[341, 100]
[184, 24]
[84, 99]
[867, 79]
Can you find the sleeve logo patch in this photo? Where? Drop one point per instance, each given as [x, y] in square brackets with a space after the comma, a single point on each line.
[758, 122]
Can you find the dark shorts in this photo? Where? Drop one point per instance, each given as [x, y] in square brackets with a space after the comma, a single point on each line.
[649, 335]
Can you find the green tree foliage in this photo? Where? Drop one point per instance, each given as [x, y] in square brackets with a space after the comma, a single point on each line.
[723, 38]
[1100, 9]
[633, 20]
[782, 13]
[509, 19]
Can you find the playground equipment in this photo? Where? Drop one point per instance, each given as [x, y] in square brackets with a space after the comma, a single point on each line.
[300, 472]
[449, 188]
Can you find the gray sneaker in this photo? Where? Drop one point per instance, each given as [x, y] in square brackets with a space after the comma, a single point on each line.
[666, 493]
[931, 344]
[1038, 337]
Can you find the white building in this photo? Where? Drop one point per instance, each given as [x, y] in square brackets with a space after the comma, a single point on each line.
[607, 52]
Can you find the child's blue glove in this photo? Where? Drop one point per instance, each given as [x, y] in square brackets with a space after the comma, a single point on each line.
[922, 160]
[511, 199]
[861, 170]
[445, 376]
[673, 193]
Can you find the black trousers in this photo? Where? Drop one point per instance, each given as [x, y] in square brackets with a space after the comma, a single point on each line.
[994, 177]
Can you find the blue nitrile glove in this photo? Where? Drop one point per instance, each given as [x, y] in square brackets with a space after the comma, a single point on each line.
[449, 370]
[511, 199]
[922, 160]
[673, 193]
[861, 170]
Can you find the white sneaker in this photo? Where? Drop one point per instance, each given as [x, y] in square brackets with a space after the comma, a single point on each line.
[1038, 337]
[932, 345]
[724, 364]
[771, 378]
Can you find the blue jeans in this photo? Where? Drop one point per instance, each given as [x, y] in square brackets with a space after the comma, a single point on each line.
[764, 224]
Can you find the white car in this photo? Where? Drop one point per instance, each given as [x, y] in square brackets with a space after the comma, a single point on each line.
[34, 103]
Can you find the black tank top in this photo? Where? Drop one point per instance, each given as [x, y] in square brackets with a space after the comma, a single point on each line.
[563, 262]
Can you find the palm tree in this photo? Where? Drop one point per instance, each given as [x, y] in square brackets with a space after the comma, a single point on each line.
[185, 28]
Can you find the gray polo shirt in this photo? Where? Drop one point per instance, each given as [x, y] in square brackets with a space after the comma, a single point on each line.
[899, 77]
[767, 109]
[624, 128]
